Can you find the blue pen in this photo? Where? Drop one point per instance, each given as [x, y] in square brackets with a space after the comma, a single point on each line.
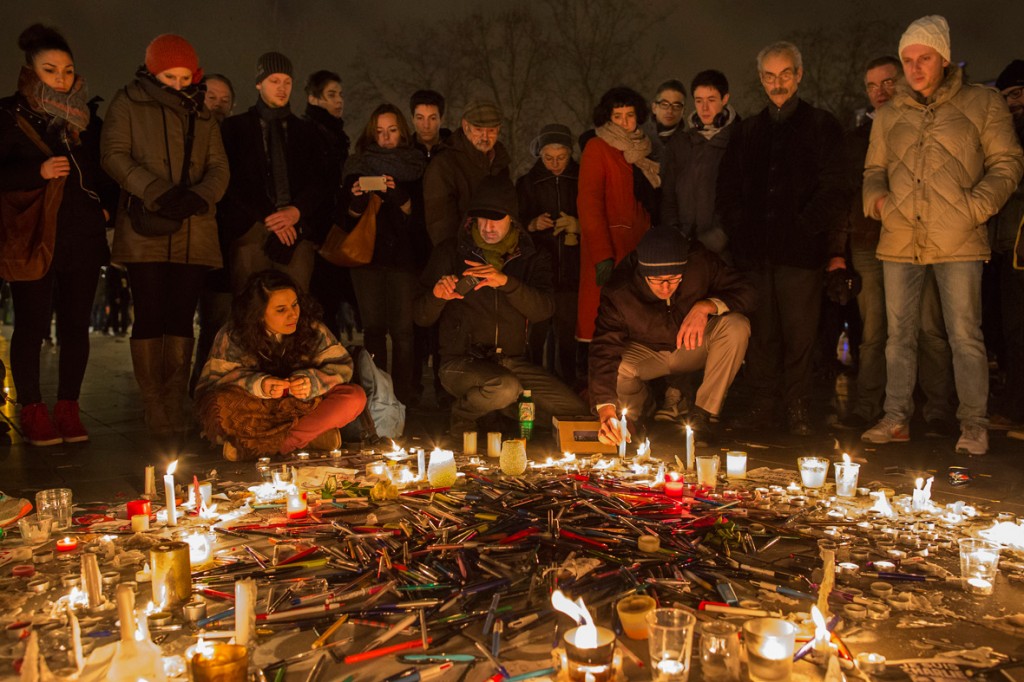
[491, 612]
[532, 674]
[226, 613]
[728, 593]
[789, 592]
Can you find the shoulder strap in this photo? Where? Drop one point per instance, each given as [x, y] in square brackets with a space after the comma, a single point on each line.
[31, 134]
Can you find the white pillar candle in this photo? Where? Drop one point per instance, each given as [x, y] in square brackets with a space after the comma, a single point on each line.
[140, 523]
[623, 434]
[494, 444]
[736, 464]
[245, 612]
[421, 464]
[689, 448]
[171, 503]
[469, 442]
[150, 483]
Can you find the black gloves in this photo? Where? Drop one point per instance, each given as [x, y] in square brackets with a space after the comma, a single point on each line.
[179, 203]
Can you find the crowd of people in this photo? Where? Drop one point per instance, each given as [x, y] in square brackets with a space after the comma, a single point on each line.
[686, 243]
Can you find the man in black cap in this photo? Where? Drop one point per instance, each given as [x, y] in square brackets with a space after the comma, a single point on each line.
[485, 323]
[1008, 262]
[671, 307]
[469, 155]
[276, 186]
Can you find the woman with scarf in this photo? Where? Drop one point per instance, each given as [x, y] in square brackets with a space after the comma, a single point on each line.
[50, 109]
[277, 379]
[386, 287]
[163, 148]
[616, 196]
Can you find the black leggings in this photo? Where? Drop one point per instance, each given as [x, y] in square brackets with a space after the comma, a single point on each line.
[165, 297]
[34, 301]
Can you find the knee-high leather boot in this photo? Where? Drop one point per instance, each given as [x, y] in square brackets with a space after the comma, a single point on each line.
[177, 367]
[148, 362]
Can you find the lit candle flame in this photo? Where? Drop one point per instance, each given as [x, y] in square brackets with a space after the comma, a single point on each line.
[846, 458]
[587, 634]
[821, 633]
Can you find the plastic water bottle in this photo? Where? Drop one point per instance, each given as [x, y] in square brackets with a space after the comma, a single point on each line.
[527, 414]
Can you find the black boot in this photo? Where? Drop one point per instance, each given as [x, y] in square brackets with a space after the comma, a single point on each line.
[703, 430]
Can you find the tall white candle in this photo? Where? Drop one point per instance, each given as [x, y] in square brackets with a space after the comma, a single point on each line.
[150, 483]
[623, 434]
[245, 612]
[689, 448]
[172, 507]
[421, 464]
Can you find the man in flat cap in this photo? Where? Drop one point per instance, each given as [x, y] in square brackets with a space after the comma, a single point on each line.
[942, 160]
[469, 155]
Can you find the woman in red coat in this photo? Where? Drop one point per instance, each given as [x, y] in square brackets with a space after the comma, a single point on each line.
[616, 196]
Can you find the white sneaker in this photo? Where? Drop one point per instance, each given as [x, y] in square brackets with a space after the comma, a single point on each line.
[675, 407]
[887, 431]
[973, 440]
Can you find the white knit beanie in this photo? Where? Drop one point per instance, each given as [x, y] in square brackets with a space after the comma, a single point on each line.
[932, 31]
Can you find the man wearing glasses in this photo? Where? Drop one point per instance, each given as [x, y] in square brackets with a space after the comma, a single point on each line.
[782, 197]
[668, 108]
[935, 374]
[1008, 262]
[671, 307]
[943, 159]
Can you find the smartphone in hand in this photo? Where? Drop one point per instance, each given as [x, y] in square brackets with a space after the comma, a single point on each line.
[373, 183]
[466, 285]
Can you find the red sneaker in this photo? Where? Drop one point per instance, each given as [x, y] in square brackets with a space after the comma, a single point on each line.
[37, 426]
[65, 413]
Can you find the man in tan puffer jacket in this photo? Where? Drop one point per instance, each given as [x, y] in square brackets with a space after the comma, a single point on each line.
[943, 159]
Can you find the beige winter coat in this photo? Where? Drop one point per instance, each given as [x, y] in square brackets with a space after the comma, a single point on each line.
[944, 167]
[135, 154]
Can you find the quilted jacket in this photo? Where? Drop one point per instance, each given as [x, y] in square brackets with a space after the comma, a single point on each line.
[945, 167]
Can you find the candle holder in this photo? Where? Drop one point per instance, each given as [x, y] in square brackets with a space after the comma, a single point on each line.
[736, 464]
[55, 504]
[769, 643]
[588, 663]
[297, 506]
[171, 573]
[720, 651]
[813, 471]
[979, 561]
[707, 471]
[442, 472]
[847, 474]
[513, 457]
[670, 643]
[221, 663]
[633, 612]
[34, 530]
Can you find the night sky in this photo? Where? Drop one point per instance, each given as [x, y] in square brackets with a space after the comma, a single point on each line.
[109, 37]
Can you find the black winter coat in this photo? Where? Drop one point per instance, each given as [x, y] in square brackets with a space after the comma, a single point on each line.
[332, 143]
[630, 312]
[541, 191]
[81, 228]
[247, 200]
[488, 319]
[782, 194]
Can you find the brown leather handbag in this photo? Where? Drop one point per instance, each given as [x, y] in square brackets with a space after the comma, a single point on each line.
[355, 248]
[28, 223]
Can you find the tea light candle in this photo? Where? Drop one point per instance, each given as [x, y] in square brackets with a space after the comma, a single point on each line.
[673, 484]
[170, 501]
[870, 663]
[469, 443]
[67, 545]
[736, 464]
[297, 507]
[494, 443]
[140, 523]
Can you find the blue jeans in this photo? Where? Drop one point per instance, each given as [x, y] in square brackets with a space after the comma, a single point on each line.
[960, 295]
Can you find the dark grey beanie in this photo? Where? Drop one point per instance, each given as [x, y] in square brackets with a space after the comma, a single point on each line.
[272, 62]
[662, 252]
[553, 133]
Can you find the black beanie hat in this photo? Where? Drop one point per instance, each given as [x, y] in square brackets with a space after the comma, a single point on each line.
[662, 252]
[494, 198]
[1012, 75]
[272, 62]
[553, 133]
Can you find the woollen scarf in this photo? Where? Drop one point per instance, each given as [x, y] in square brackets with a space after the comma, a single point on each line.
[635, 146]
[70, 109]
[273, 118]
[495, 254]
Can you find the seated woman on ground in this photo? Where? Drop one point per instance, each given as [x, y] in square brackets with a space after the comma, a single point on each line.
[276, 379]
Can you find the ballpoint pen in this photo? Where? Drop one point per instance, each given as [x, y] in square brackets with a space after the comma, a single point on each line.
[419, 674]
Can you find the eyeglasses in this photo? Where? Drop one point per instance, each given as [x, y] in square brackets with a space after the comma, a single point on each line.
[784, 77]
[887, 84]
[664, 281]
[665, 105]
[1016, 93]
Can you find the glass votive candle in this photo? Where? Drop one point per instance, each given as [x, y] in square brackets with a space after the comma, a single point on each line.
[513, 457]
[296, 504]
[846, 478]
[769, 643]
[221, 663]
[282, 476]
[979, 560]
[442, 471]
[670, 643]
[813, 471]
[736, 464]
[34, 530]
[590, 658]
[707, 471]
[633, 615]
[674, 484]
[720, 651]
[494, 443]
[55, 504]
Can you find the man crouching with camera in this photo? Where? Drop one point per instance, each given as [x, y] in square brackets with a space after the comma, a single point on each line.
[488, 285]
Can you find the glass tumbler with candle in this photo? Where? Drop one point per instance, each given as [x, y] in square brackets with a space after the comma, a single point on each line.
[979, 560]
[442, 471]
[707, 471]
[720, 651]
[769, 643]
[736, 464]
[34, 530]
[813, 471]
[847, 474]
[670, 644]
[55, 503]
[590, 654]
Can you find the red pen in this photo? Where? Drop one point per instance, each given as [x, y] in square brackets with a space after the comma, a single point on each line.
[299, 556]
[384, 651]
[518, 535]
[585, 540]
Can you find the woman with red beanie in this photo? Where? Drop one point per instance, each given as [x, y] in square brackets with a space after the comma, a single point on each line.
[164, 149]
[49, 139]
